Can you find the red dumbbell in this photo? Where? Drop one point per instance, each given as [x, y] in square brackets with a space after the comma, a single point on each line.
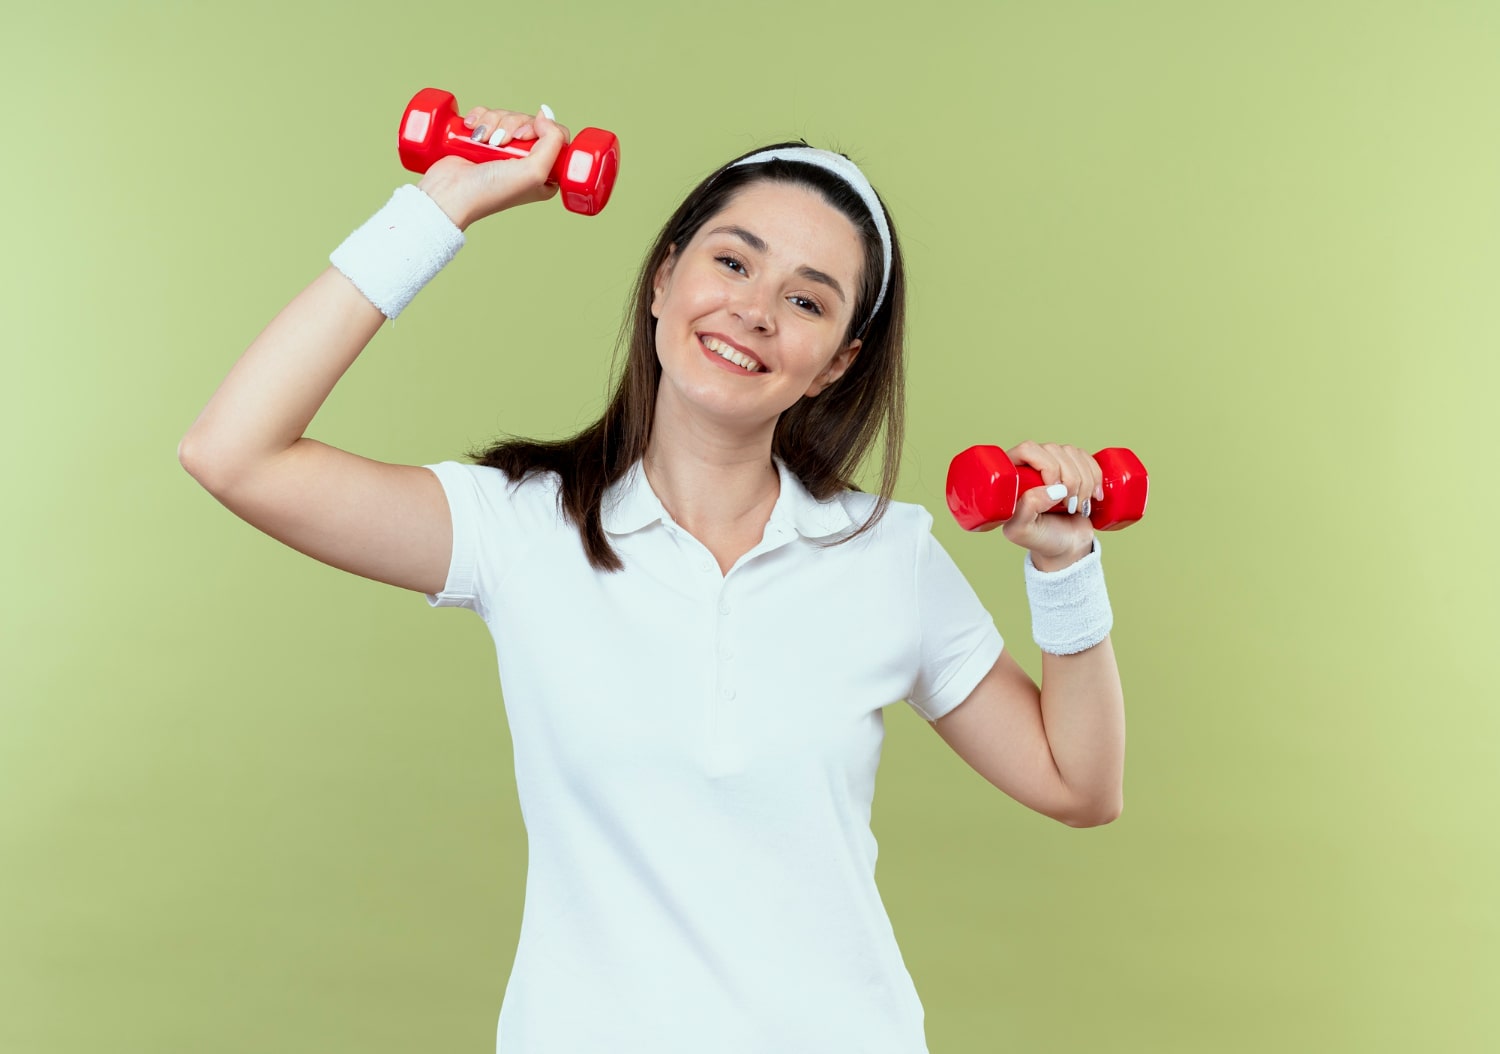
[585, 171]
[984, 485]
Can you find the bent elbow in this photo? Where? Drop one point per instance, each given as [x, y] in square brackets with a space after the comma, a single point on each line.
[1095, 814]
[187, 452]
[197, 461]
[216, 467]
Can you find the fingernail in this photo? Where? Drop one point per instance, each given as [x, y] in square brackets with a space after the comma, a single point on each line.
[1056, 491]
[1087, 505]
[546, 111]
[1072, 504]
[1099, 492]
[478, 134]
[499, 138]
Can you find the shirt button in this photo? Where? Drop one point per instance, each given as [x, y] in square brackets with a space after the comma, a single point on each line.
[728, 693]
[723, 607]
[728, 653]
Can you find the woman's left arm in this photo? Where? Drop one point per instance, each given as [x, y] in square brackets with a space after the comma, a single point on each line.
[1060, 748]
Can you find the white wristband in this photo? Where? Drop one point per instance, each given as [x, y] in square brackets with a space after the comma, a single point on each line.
[1070, 609]
[398, 250]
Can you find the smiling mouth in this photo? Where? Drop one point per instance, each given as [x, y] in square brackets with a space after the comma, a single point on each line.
[730, 354]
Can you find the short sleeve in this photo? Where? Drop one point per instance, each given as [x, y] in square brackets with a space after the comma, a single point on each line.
[959, 640]
[461, 486]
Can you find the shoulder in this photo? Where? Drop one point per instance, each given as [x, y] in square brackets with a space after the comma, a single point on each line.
[491, 492]
[901, 520]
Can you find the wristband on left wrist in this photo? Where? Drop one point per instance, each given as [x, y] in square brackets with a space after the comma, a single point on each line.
[1070, 610]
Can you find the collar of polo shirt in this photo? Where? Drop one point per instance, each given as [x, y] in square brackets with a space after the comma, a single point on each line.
[631, 504]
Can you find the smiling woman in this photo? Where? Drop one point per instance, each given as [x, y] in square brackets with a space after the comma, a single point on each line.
[697, 779]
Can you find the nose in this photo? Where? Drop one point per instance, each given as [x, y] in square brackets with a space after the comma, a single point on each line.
[753, 307]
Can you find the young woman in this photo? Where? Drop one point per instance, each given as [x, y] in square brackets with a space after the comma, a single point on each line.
[698, 620]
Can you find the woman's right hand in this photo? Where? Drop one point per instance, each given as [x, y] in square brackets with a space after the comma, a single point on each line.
[467, 191]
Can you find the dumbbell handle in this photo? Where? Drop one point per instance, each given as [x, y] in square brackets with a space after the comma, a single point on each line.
[984, 486]
[456, 140]
[585, 170]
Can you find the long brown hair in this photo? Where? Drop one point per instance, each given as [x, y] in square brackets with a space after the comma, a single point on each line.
[822, 439]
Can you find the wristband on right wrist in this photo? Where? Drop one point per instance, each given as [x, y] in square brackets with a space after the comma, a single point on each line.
[398, 250]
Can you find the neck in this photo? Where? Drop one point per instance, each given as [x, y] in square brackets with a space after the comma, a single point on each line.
[709, 479]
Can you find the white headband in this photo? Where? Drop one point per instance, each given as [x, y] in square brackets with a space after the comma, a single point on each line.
[849, 172]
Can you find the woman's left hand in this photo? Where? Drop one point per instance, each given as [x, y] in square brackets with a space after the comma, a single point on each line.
[1055, 541]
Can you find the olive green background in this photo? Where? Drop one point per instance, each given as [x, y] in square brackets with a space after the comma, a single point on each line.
[248, 803]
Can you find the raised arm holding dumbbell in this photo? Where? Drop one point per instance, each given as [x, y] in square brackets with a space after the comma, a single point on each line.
[249, 448]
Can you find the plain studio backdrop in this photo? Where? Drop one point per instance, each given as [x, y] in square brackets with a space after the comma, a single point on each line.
[248, 803]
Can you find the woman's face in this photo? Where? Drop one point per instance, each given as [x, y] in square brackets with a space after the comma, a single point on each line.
[751, 312]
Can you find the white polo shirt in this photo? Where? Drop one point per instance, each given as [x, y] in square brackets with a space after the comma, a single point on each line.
[695, 757]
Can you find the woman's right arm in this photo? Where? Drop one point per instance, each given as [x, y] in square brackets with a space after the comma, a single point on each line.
[248, 448]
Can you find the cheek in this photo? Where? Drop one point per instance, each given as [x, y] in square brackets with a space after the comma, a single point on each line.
[693, 295]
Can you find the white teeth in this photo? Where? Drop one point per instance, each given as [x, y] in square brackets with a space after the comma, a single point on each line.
[724, 351]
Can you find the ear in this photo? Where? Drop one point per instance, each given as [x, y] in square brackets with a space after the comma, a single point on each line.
[842, 360]
[659, 279]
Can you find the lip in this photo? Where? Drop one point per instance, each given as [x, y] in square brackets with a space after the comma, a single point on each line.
[737, 347]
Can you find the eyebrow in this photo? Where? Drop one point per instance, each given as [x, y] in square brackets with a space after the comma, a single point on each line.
[756, 242]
